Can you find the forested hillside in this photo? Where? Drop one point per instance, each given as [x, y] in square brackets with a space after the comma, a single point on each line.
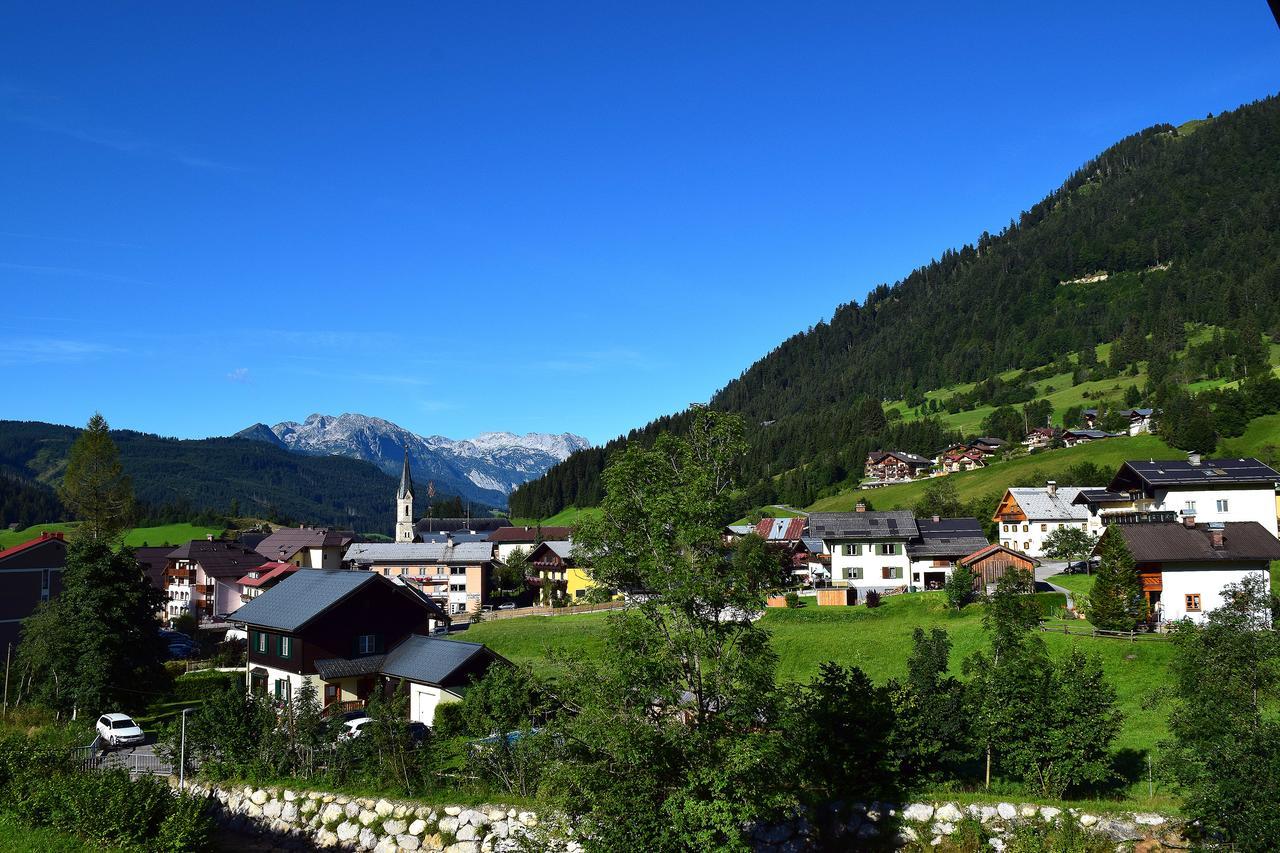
[180, 480]
[1166, 228]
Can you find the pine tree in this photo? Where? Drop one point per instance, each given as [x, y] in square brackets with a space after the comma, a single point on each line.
[95, 486]
[1116, 602]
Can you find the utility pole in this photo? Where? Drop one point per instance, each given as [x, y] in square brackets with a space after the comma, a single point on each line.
[182, 751]
[8, 654]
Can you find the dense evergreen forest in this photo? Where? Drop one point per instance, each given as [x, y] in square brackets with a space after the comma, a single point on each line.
[181, 480]
[1186, 226]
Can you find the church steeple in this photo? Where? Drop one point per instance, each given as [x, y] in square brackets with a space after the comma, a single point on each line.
[404, 504]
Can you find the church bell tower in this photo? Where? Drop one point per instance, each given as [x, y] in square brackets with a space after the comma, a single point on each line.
[404, 504]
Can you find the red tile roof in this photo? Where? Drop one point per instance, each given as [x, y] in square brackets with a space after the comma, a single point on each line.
[45, 536]
[266, 572]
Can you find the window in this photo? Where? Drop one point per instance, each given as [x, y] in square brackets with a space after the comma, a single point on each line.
[855, 573]
[367, 644]
[1006, 528]
[1193, 602]
[44, 584]
[1044, 528]
[422, 570]
[281, 688]
[886, 549]
[1084, 525]
[1222, 505]
[1026, 528]
[284, 646]
[1190, 507]
[891, 573]
[851, 549]
[458, 570]
[260, 643]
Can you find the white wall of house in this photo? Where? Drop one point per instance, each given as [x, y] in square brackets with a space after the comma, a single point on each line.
[1028, 536]
[921, 569]
[424, 699]
[506, 549]
[861, 564]
[1241, 504]
[293, 681]
[1206, 581]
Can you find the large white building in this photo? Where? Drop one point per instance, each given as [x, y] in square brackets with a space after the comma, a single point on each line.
[1027, 516]
[885, 551]
[1186, 566]
[1203, 490]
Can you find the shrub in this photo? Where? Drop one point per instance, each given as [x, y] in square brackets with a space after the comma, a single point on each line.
[873, 598]
[188, 826]
[792, 599]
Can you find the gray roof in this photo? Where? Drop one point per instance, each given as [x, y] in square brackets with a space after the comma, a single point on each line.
[1180, 472]
[814, 544]
[331, 668]
[1092, 433]
[1100, 496]
[456, 536]
[287, 541]
[903, 456]
[897, 524]
[1173, 542]
[947, 537]
[459, 553]
[301, 597]
[1039, 505]
[406, 480]
[429, 660]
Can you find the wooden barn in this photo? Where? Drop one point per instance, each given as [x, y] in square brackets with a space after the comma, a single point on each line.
[990, 563]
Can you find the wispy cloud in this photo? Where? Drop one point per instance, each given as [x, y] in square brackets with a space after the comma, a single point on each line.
[31, 350]
[127, 143]
[240, 374]
[84, 241]
[72, 272]
[592, 361]
[358, 376]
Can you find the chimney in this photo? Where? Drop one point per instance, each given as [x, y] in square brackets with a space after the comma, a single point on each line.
[1188, 518]
[860, 506]
[1217, 536]
[936, 519]
[1193, 458]
[1051, 487]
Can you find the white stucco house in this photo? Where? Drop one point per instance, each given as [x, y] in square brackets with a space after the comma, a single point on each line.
[892, 551]
[1203, 490]
[1027, 516]
[1185, 566]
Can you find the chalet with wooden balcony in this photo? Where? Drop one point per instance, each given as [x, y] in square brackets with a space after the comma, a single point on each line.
[202, 578]
[354, 633]
[455, 574]
[306, 547]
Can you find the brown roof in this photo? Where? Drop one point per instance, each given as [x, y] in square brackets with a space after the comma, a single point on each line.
[153, 559]
[1173, 542]
[527, 535]
[996, 548]
[218, 559]
[287, 541]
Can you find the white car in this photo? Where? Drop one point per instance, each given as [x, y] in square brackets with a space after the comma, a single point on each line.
[353, 728]
[119, 730]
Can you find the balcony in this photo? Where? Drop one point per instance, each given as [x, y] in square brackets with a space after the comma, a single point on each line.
[204, 588]
[178, 574]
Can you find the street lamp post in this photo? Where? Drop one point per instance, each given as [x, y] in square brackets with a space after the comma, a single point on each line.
[182, 751]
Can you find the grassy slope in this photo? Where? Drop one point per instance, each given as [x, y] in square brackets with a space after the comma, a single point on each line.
[566, 517]
[997, 476]
[876, 640]
[169, 534]
[1078, 584]
[16, 837]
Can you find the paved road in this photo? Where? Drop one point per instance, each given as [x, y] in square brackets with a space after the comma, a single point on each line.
[1054, 567]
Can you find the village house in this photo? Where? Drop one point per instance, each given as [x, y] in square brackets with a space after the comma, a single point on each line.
[1141, 421]
[987, 446]
[508, 540]
[263, 578]
[454, 574]
[1027, 516]
[1185, 566]
[30, 573]
[1040, 438]
[1072, 437]
[941, 544]
[993, 561]
[306, 547]
[558, 570]
[1205, 490]
[352, 634]
[895, 465]
[202, 578]
[963, 460]
[892, 551]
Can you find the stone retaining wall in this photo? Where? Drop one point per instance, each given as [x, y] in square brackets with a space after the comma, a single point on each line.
[926, 825]
[306, 820]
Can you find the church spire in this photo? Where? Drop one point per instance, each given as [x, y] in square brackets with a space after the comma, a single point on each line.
[406, 480]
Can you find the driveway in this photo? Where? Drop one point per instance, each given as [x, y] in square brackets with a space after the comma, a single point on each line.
[1044, 571]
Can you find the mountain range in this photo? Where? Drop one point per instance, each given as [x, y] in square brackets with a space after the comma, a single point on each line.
[484, 468]
[1168, 227]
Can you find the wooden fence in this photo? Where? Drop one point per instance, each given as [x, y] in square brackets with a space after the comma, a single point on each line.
[552, 611]
[1131, 636]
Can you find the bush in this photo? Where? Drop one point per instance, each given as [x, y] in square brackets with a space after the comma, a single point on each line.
[188, 826]
[793, 599]
[873, 598]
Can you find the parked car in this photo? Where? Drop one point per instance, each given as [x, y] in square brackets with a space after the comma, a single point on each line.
[510, 605]
[175, 636]
[180, 651]
[354, 728]
[354, 714]
[119, 730]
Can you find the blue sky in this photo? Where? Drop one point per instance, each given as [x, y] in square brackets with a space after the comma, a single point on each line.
[523, 216]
